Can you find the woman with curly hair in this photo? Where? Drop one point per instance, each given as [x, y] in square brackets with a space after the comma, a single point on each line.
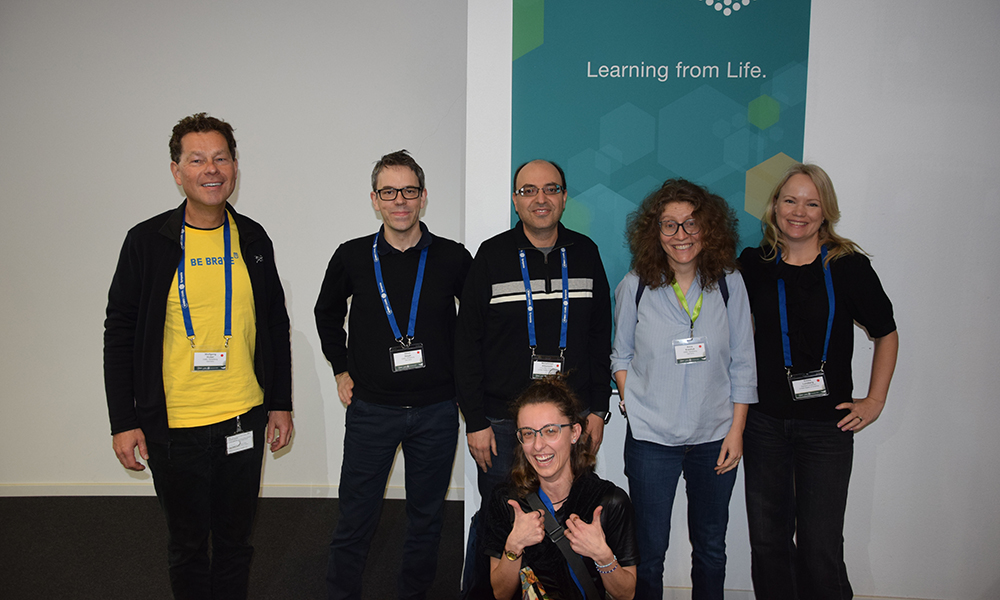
[554, 473]
[807, 288]
[683, 360]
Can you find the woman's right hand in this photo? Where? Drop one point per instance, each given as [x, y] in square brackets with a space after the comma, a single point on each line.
[528, 530]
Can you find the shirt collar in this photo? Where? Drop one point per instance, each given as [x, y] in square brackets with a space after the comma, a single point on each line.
[523, 243]
[385, 248]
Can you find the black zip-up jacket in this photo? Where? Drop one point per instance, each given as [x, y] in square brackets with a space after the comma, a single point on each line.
[492, 354]
[137, 307]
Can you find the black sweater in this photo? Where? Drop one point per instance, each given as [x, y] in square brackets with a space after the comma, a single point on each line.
[492, 353]
[351, 274]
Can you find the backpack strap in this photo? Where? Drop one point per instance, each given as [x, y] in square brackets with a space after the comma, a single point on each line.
[723, 288]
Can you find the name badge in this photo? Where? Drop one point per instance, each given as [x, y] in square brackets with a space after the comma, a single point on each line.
[808, 385]
[690, 350]
[209, 360]
[407, 358]
[238, 442]
[543, 366]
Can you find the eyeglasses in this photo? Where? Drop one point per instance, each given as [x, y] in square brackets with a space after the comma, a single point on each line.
[669, 228]
[550, 432]
[529, 191]
[409, 192]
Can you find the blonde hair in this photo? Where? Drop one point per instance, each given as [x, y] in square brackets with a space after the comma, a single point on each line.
[836, 245]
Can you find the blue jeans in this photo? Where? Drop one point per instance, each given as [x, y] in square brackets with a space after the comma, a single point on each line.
[204, 491]
[503, 432]
[429, 436]
[476, 577]
[797, 475]
[653, 471]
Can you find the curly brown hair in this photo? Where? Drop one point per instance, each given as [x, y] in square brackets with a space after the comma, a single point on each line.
[552, 390]
[716, 220]
[200, 123]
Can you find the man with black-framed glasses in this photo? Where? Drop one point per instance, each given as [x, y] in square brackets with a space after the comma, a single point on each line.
[536, 302]
[394, 374]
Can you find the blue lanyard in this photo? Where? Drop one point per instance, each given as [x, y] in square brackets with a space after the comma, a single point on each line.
[531, 302]
[552, 511]
[385, 297]
[182, 287]
[783, 311]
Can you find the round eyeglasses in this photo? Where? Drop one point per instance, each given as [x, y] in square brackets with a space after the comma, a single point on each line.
[669, 228]
[531, 190]
[549, 432]
[389, 193]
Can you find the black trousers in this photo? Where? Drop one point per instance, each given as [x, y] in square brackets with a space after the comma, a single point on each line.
[205, 492]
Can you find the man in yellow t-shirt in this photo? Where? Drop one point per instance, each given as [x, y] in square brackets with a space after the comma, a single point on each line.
[197, 363]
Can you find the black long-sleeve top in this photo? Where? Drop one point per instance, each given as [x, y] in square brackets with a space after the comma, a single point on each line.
[365, 355]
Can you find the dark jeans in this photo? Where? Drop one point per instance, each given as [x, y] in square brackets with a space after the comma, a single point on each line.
[429, 436]
[653, 471]
[476, 577]
[797, 475]
[203, 491]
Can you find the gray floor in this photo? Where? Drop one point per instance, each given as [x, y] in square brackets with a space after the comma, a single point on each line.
[115, 547]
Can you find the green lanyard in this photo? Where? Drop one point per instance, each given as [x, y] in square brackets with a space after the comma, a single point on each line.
[684, 303]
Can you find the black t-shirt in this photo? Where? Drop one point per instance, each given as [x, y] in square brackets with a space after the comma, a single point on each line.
[588, 492]
[859, 298]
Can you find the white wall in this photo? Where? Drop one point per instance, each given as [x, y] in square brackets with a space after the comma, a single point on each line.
[89, 92]
[902, 111]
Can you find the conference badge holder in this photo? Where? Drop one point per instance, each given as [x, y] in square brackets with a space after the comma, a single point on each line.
[807, 385]
[239, 441]
[812, 384]
[207, 358]
[545, 365]
[690, 350]
[542, 366]
[407, 358]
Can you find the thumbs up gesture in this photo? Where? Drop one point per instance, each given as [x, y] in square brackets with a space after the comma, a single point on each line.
[528, 530]
[588, 538]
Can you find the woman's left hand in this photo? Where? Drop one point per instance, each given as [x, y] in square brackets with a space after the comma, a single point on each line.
[862, 413]
[588, 539]
[731, 452]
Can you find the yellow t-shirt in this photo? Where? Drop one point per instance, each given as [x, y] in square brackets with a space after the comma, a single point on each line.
[196, 398]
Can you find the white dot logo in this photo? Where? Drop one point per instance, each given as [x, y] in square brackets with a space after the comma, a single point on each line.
[726, 7]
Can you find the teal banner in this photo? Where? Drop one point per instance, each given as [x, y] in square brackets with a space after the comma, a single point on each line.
[625, 94]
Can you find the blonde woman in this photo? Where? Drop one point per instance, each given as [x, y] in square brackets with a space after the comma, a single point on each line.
[807, 288]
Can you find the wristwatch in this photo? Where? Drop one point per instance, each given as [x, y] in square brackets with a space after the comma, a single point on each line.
[606, 415]
[511, 556]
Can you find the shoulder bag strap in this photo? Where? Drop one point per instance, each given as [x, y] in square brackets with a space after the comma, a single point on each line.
[555, 532]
